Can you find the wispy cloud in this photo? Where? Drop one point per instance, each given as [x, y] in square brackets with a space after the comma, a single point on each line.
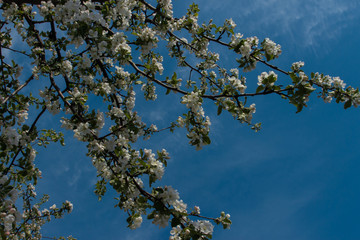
[306, 22]
[277, 212]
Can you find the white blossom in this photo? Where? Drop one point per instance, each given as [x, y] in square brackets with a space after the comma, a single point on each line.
[235, 39]
[297, 65]
[22, 115]
[136, 222]
[161, 220]
[8, 221]
[271, 47]
[203, 226]
[148, 38]
[3, 179]
[69, 206]
[67, 67]
[193, 102]
[338, 83]
[175, 232]
[153, 128]
[12, 136]
[265, 76]
[166, 4]
[231, 23]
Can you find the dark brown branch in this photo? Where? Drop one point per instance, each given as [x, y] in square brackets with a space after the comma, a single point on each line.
[156, 80]
[271, 66]
[17, 90]
[212, 97]
[17, 51]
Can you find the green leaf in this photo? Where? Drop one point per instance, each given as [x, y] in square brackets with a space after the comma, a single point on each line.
[260, 88]
[299, 108]
[206, 139]
[219, 110]
[2, 234]
[174, 77]
[151, 215]
[127, 114]
[347, 104]
[175, 221]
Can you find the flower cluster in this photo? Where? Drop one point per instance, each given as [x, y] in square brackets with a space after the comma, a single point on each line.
[147, 39]
[267, 79]
[197, 124]
[11, 137]
[297, 65]
[247, 46]
[272, 50]
[193, 102]
[8, 211]
[119, 43]
[156, 167]
[171, 197]
[167, 7]
[238, 84]
[203, 226]
[52, 105]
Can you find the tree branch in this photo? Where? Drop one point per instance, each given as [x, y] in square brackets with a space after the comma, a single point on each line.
[17, 90]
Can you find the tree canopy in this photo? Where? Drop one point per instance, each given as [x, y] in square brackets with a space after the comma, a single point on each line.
[86, 61]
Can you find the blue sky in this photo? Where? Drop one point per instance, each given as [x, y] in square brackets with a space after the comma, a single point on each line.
[295, 179]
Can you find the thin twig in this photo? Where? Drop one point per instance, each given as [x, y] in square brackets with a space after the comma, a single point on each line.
[17, 90]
